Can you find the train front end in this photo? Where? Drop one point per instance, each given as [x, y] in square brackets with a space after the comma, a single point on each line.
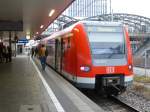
[111, 57]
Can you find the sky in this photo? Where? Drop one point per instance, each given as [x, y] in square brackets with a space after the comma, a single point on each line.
[138, 7]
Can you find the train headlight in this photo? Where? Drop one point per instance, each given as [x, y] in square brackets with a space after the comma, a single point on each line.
[130, 67]
[85, 68]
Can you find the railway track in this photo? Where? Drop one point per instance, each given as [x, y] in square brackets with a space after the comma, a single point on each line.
[109, 104]
[118, 101]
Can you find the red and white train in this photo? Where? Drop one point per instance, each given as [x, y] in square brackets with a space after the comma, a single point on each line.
[92, 54]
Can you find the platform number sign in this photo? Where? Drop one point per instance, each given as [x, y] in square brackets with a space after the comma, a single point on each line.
[110, 70]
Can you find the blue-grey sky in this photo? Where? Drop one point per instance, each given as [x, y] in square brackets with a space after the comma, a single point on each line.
[139, 7]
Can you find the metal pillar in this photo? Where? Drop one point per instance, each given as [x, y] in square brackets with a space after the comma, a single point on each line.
[110, 7]
[15, 39]
[145, 61]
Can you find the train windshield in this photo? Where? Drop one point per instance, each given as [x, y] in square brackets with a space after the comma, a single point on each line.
[107, 42]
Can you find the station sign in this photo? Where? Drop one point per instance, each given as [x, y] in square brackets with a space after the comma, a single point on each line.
[23, 40]
[11, 25]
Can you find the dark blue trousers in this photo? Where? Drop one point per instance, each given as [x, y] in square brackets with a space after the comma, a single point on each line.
[43, 62]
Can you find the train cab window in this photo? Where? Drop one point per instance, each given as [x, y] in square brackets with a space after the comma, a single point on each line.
[107, 44]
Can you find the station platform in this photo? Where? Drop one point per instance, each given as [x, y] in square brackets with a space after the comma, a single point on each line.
[25, 87]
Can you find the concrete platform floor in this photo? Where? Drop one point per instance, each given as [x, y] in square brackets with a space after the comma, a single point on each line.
[70, 98]
[22, 89]
[19, 86]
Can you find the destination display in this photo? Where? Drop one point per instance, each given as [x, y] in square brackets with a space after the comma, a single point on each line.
[104, 29]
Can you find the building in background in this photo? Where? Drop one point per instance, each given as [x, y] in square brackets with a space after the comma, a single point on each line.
[87, 8]
[80, 9]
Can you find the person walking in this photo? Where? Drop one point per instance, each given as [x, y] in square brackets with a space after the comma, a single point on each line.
[42, 56]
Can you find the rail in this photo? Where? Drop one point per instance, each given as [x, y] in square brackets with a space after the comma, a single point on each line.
[114, 98]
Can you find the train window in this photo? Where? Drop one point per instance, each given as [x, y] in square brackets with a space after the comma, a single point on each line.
[59, 48]
[63, 46]
[69, 43]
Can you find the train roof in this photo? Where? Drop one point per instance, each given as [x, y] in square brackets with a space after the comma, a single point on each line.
[62, 32]
[90, 23]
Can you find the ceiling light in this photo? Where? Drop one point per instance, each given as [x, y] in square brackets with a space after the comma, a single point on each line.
[41, 26]
[37, 32]
[51, 12]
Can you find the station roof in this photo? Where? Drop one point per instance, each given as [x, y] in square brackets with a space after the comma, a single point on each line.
[32, 13]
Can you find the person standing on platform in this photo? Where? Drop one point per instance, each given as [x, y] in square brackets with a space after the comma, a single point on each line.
[35, 52]
[32, 52]
[9, 53]
[1, 56]
[1, 52]
[4, 54]
[42, 56]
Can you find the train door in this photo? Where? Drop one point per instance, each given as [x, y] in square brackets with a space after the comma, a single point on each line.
[62, 50]
[58, 55]
[68, 59]
[20, 48]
